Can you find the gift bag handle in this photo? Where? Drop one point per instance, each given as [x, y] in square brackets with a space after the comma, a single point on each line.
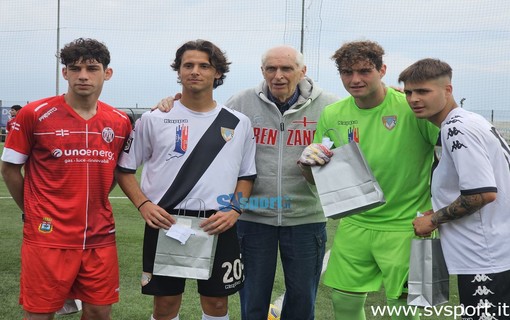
[201, 207]
[337, 136]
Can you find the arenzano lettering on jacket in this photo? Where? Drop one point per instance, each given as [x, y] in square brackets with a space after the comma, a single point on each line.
[295, 137]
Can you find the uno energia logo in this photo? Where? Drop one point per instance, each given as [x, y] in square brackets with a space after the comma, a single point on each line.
[57, 153]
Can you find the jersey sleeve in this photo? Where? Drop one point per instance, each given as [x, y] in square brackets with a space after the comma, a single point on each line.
[470, 157]
[138, 146]
[248, 169]
[20, 139]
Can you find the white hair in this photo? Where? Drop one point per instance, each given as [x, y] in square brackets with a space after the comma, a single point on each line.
[300, 60]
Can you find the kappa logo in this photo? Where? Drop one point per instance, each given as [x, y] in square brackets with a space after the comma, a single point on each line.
[453, 132]
[389, 122]
[227, 134]
[457, 145]
[482, 291]
[175, 121]
[484, 304]
[454, 120]
[481, 278]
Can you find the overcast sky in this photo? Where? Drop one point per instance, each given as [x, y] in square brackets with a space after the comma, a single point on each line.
[472, 35]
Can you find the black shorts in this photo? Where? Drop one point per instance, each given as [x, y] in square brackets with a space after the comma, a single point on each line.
[227, 275]
[485, 294]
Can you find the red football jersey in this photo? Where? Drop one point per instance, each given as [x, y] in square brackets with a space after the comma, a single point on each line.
[69, 170]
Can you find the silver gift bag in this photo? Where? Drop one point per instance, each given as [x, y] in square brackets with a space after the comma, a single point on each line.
[346, 185]
[70, 306]
[429, 281]
[192, 260]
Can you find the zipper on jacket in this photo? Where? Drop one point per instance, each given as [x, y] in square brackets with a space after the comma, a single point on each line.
[281, 147]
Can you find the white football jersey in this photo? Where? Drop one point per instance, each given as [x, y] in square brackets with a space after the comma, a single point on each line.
[162, 142]
[474, 159]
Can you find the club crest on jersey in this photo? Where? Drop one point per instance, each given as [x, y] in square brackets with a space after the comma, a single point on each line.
[181, 141]
[389, 122]
[227, 133]
[46, 226]
[108, 134]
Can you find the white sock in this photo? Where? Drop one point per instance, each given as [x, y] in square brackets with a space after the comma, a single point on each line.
[152, 317]
[207, 317]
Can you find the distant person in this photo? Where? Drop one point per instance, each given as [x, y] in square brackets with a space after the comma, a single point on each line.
[68, 147]
[372, 248]
[284, 109]
[470, 191]
[202, 150]
[11, 123]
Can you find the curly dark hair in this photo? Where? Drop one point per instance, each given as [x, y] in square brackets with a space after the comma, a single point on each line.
[217, 58]
[86, 50]
[351, 53]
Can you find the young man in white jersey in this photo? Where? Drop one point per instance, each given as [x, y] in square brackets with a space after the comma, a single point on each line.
[199, 150]
[68, 147]
[372, 248]
[470, 191]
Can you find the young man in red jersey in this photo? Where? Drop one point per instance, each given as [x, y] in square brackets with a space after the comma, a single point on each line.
[68, 146]
[12, 120]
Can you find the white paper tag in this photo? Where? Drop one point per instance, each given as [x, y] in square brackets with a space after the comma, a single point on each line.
[327, 142]
[180, 233]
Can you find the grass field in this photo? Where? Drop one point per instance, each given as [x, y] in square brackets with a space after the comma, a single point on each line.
[133, 305]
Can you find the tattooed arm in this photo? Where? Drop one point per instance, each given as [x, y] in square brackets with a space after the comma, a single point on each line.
[463, 206]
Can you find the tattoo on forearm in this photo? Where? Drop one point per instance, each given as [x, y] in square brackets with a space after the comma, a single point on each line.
[461, 207]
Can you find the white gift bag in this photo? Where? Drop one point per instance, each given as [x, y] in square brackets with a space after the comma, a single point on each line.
[192, 260]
